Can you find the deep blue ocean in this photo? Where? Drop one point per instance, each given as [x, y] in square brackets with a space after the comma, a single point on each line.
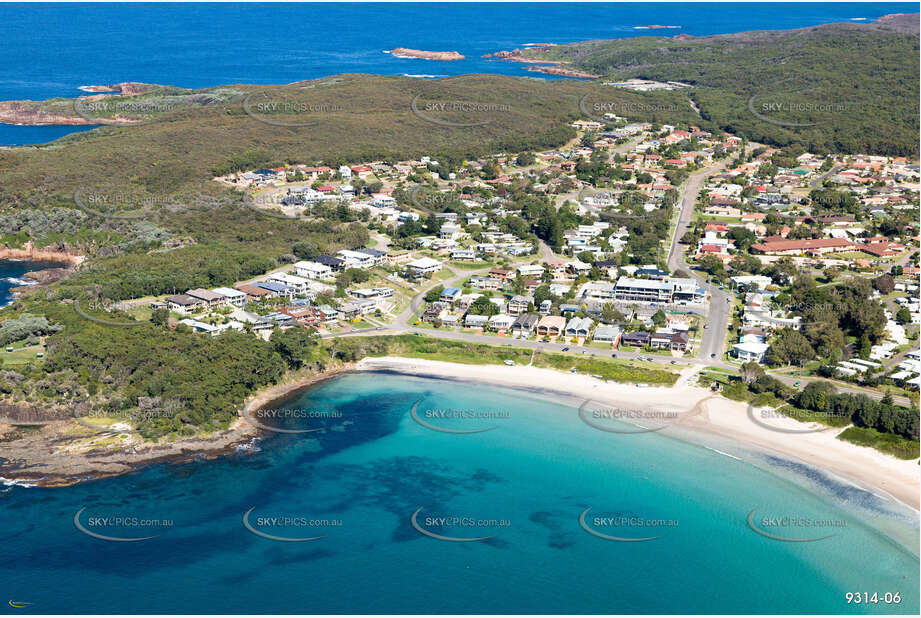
[523, 485]
[50, 50]
[11, 272]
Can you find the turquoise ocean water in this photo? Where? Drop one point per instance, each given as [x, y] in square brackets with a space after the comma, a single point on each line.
[523, 484]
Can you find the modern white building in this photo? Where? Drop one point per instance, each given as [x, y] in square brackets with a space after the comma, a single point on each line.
[234, 297]
[298, 284]
[423, 266]
[313, 270]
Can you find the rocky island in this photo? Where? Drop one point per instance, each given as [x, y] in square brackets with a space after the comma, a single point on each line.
[404, 52]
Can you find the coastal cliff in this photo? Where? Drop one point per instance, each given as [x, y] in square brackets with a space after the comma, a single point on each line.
[29, 252]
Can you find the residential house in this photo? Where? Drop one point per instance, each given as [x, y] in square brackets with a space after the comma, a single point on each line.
[207, 297]
[231, 296]
[551, 326]
[519, 304]
[525, 325]
[579, 327]
[183, 303]
[313, 270]
[423, 266]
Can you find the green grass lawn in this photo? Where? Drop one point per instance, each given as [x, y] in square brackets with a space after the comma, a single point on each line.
[22, 354]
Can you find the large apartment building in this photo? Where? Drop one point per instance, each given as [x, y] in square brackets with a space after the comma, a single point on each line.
[655, 291]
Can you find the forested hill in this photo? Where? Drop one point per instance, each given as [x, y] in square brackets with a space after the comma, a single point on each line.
[839, 87]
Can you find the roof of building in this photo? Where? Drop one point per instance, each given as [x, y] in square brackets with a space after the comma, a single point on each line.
[206, 295]
[804, 244]
[183, 299]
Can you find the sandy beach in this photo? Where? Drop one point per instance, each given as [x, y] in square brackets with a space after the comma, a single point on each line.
[697, 409]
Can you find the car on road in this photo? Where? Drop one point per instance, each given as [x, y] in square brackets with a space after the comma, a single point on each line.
[565, 350]
[509, 362]
[613, 355]
[674, 362]
[796, 383]
[713, 356]
[706, 326]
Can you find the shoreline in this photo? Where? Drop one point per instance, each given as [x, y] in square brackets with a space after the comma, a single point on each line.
[31, 463]
[701, 412]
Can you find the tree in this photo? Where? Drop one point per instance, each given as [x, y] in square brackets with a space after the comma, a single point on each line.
[751, 371]
[713, 265]
[610, 314]
[745, 263]
[160, 317]
[903, 315]
[305, 250]
[790, 347]
[884, 284]
[831, 272]
[526, 158]
[296, 346]
[434, 294]
[483, 306]
[658, 318]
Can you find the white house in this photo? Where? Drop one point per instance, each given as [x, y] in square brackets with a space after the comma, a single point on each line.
[750, 351]
[423, 266]
[313, 270]
[234, 297]
[356, 259]
[298, 284]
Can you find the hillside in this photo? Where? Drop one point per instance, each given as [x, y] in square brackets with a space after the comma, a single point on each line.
[838, 87]
[168, 155]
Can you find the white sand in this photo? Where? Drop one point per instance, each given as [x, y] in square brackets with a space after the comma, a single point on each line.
[864, 466]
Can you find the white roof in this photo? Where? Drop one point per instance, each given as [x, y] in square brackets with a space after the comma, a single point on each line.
[316, 266]
[228, 292]
[424, 262]
[751, 347]
[291, 279]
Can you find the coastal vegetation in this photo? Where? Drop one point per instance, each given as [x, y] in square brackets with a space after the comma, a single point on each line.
[881, 424]
[193, 383]
[832, 88]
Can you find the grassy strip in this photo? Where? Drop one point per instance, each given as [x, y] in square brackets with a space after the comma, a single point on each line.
[616, 370]
[884, 442]
[482, 354]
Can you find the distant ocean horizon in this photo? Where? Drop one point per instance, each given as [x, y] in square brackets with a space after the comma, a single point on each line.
[204, 45]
